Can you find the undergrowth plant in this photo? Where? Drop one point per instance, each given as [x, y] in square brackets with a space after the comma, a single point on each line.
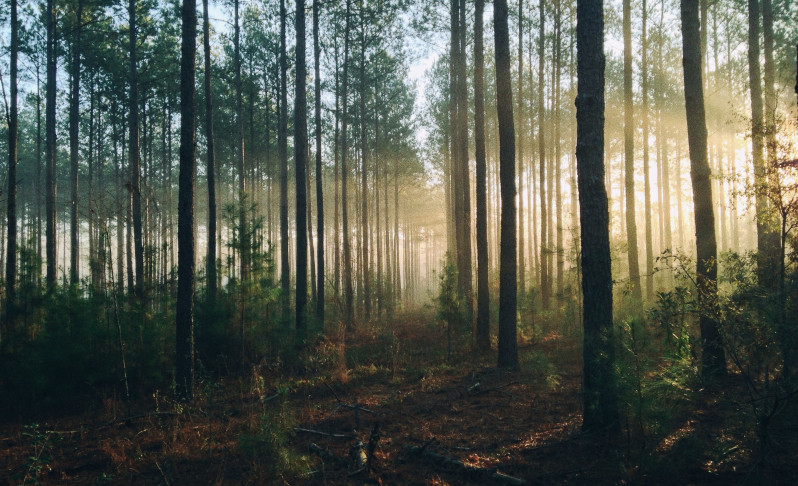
[267, 445]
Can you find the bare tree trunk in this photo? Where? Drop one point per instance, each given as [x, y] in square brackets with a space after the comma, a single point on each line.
[598, 386]
[184, 319]
[545, 283]
[364, 254]
[282, 149]
[11, 198]
[243, 230]
[74, 147]
[319, 191]
[767, 243]
[646, 175]
[628, 143]
[508, 346]
[713, 359]
[483, 294]
[349, 311]
[210, 264]
[134, 156]
[50, 148]
[520, 164]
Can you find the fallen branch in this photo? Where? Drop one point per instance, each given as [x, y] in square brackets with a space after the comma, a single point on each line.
[325, 454]
[455, 465]
[341, 404]
[325, 434]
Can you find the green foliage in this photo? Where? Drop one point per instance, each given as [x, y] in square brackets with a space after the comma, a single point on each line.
[453, 310]
[251, 302]
[41, 443]
[267, 445]
[657, 363]
[535, 363]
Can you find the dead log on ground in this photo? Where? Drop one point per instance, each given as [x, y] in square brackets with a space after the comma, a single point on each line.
[455, 465]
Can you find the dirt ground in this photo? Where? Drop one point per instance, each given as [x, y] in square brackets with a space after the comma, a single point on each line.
[392, 399]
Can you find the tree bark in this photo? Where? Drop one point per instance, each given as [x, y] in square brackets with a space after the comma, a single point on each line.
[349, 311]
[628, 145]
[483, 294]
[508, 346]
[74, 146]
[646, 175]
[545, 282]
[520, 150]
[319, 186]
[210, 264]
[713, 359]
[766, 239]
[11, 198]
[282, 149]
[134, 156]
[184, 317]
[50, 149]
[598, 386]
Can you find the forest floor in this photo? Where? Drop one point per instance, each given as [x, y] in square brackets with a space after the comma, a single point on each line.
[441, 421]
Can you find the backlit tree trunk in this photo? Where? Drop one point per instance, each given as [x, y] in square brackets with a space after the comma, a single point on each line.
[508, 346]
[600, 410]
[713, 359]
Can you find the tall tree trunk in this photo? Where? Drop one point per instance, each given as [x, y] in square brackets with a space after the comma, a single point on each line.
[319, 192]
[300, 169]
[483, 294]
[713, 359]
[628, 145]
[243, 230]
[50, 148]
[765, 244]
[184, 318]
[336, 171]
[508, 313]
[210, 264]
[600, 410]
[364, 255]
[74, 146]
[520, 164]
[557, 154]
[459, 151]
[465, 271]
[282, 149]
[545, 282]
[646, 175]
[11, 198]
[134, 156]
[349, 311]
